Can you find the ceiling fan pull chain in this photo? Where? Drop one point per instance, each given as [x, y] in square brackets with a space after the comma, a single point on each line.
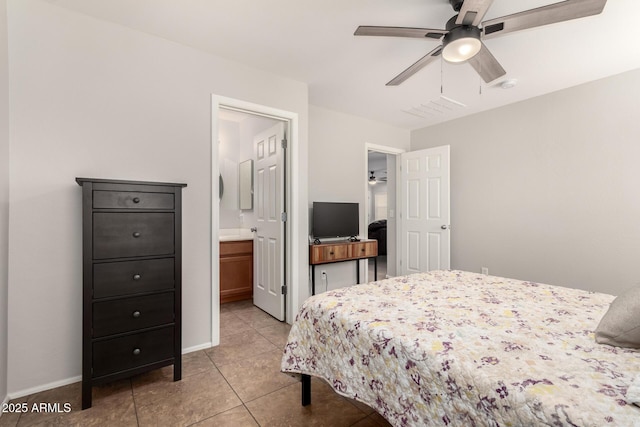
[441, 78]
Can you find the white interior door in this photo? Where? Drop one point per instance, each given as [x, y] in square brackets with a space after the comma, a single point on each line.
[425, 236]
[268, 244]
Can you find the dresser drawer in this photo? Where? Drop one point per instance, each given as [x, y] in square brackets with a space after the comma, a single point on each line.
[130, 314]
[132, 200]
[132, 277]
[125, 234]
[131, 351]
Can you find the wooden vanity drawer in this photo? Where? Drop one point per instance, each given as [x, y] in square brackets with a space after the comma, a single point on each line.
[132, 277]
[130, 314]
[131, 351]
[129, 234]
[236, 247]
[132, 200]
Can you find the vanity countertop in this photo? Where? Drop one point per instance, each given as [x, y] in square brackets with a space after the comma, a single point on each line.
[235, 234]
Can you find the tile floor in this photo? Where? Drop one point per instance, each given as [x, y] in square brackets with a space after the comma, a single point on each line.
[237, 384]
[382, 268]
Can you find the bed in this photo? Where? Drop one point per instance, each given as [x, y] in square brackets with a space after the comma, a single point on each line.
[455, 348]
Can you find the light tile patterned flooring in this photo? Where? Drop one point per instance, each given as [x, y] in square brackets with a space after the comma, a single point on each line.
[237, 383]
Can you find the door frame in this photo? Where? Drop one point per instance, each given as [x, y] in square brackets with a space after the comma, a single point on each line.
[292, 250]
[395, 151]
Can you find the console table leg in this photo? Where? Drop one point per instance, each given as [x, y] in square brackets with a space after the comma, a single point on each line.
[306, 390]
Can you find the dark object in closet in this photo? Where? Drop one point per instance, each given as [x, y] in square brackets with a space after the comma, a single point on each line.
[378, 231]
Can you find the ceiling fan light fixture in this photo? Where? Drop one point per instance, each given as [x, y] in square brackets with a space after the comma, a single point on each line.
[461, 44]
[372, 179]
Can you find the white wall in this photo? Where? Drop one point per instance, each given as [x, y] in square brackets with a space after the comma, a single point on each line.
[236, 146]
[93, 99]
[229, 157]
[249, 128]
[337, 170]
[547, 189]
[4, 196]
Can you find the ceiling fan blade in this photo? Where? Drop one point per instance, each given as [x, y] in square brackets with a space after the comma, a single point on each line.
[473, 11]
[557, 12]
[487, 65]
[419, 65]
[420, 33]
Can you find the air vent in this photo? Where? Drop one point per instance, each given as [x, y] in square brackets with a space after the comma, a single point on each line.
[438, 107]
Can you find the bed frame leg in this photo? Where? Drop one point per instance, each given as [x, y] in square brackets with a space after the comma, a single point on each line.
[306, 390]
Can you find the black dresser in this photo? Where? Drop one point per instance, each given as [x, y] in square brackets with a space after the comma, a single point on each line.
[131, 273]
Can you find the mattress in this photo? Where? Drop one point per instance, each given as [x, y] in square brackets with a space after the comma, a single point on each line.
[454, 348]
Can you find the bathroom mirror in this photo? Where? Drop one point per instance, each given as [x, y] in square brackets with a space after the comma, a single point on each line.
[246, 184]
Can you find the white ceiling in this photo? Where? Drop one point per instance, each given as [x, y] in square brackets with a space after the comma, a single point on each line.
[312, 41]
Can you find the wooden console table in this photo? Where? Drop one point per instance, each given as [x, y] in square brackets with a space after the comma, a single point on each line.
[328, 253]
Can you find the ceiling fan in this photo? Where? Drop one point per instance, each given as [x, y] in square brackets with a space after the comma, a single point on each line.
[373, 180]
[463, 34]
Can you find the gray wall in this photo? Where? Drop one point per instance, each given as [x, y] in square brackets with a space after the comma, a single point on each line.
[91, 98]
[337, 169]
[547, 189]
[4, 196]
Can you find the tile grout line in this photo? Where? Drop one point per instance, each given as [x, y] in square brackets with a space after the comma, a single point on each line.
[234, 392]
[244, 404]
[135, 405]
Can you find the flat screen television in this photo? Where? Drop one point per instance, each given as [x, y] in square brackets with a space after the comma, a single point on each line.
[335, 219]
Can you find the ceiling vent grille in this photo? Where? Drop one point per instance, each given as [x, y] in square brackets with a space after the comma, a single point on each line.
[438, 107]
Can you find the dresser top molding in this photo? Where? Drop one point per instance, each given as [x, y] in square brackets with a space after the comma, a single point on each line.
[81, 181]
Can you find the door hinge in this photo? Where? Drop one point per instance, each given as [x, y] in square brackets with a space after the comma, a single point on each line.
[284, 290]
[284, 144]
[283, 217]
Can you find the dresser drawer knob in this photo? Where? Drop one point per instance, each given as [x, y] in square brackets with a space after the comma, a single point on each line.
[136, 351]
[136, 200]
[136, 314]
[136, 234]
[137, 277]
[330, 253]
[362, 250]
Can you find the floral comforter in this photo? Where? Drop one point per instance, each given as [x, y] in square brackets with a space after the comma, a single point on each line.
[454, 348]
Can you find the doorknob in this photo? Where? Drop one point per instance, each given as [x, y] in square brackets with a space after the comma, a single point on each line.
[445, 227]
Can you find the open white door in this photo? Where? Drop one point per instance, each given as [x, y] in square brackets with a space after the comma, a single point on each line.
[425, 237]
[268, 244]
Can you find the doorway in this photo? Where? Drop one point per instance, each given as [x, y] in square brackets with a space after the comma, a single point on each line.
[381, 214]
[237, 214]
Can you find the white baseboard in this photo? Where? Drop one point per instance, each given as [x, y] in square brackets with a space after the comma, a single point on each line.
[55, 384]
[196, 348]
[43, 387]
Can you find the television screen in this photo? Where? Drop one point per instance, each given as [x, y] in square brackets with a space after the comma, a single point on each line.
[335, 219]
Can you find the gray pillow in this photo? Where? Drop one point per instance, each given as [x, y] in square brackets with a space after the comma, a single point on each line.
[620, 326]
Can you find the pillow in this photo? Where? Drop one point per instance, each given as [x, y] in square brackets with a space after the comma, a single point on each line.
[620, 325]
